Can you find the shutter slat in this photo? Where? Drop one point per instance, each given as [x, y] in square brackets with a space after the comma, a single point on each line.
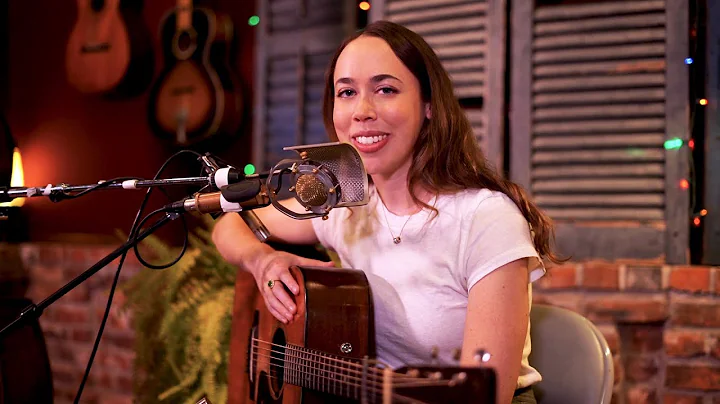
[461, 50]
[594, 24]
[396, 6]
[599, 111]
[439, 27]
[600, 97]
[597, 10]
[599, 200]
[606, 214]
[457, 38]
[604, 141]
[600, 53]
[455, 12]
[615, 67]
[472, 64]
[590, 83]
[594, 156]
[600, 38]
[596, 170]
[600, 185]
[605, 126]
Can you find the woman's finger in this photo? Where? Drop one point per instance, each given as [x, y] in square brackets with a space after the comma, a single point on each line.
[276, 305]
[316, 263]
[287, 279]
[275, 314]
[282, 296]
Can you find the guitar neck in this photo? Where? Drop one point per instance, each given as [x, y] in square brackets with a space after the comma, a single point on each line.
[331, 374]
[184, 15]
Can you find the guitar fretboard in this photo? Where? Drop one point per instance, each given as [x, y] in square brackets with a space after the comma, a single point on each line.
[331, 374]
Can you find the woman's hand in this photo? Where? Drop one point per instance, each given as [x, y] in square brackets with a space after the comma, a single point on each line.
[272, 275]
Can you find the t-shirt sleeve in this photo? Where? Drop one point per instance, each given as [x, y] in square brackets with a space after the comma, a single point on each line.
[321, 231]
[498, 235]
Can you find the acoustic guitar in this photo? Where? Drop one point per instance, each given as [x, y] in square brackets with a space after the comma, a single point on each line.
[197, 94]
[109, 50]
[324, 355]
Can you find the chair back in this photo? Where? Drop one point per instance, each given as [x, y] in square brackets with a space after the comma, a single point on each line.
[572, 356]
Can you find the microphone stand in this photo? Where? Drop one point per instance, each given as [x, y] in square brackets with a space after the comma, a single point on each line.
[34, 311]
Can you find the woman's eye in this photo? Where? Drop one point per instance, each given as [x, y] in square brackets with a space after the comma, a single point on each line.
[387, 90]
[345, 93]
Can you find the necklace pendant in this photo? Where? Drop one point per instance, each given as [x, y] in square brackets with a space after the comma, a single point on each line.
[396, 240]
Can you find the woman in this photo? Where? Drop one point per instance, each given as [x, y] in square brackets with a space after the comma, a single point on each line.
[449, 247]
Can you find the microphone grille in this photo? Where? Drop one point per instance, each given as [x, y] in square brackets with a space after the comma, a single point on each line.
[344, 162]
[311, 190]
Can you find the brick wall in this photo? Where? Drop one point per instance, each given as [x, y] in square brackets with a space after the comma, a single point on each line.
[662, 324]
[70, 324]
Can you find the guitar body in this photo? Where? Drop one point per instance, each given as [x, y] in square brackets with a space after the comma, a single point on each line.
[196, 95]
[335, 309]
[109, 50]
[324, 355]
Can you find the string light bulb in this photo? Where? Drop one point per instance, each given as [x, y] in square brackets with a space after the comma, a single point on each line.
[703, 101]
[696, 221]
[684, 184]
[364, 6]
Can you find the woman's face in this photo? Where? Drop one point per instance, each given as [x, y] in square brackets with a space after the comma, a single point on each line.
[378, 107]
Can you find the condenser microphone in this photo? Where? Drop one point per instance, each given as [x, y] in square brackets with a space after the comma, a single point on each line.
[327, 176]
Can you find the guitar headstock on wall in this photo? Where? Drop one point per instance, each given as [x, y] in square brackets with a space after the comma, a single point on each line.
[197, 95]
[109, 51]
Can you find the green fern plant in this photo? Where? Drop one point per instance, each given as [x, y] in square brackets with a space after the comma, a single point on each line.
[182, 318]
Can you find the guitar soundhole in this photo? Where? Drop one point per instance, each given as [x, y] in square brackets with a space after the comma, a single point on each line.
[277, 360]
[185, 41]
[97, 5]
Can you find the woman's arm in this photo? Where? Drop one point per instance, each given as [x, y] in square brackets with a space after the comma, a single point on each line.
[497, 322]
[238, 245]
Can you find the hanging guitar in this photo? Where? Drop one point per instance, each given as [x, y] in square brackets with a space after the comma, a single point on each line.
[109, 50]
[196, 95]
[323, 355]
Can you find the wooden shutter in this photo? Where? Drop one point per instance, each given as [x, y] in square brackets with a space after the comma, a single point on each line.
[459, 32]
[597, 90]
[295, 43]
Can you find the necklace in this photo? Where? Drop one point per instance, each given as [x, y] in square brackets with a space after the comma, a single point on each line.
[397, 239]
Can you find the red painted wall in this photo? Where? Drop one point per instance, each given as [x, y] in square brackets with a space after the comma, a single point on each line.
[69, 137]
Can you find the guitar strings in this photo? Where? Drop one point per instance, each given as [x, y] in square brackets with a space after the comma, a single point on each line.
[409, 381]
[378, 392]
[356, 365]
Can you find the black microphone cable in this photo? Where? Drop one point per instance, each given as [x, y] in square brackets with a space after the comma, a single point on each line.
[134, 229]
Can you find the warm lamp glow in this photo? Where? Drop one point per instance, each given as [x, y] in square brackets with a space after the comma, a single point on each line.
[17, 179]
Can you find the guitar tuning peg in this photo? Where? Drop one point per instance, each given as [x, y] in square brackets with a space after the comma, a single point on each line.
[458, 378]
[435, 376]
[456, 354]
[481, 356]
[434, 352]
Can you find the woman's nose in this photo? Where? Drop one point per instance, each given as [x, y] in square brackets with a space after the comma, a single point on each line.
[364, 109]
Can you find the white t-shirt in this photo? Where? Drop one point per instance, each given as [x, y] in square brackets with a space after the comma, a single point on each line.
[420, 286]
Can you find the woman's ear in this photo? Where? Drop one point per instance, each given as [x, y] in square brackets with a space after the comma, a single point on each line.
[428, 111]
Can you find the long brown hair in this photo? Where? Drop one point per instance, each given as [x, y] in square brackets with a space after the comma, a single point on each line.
[446, 157]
